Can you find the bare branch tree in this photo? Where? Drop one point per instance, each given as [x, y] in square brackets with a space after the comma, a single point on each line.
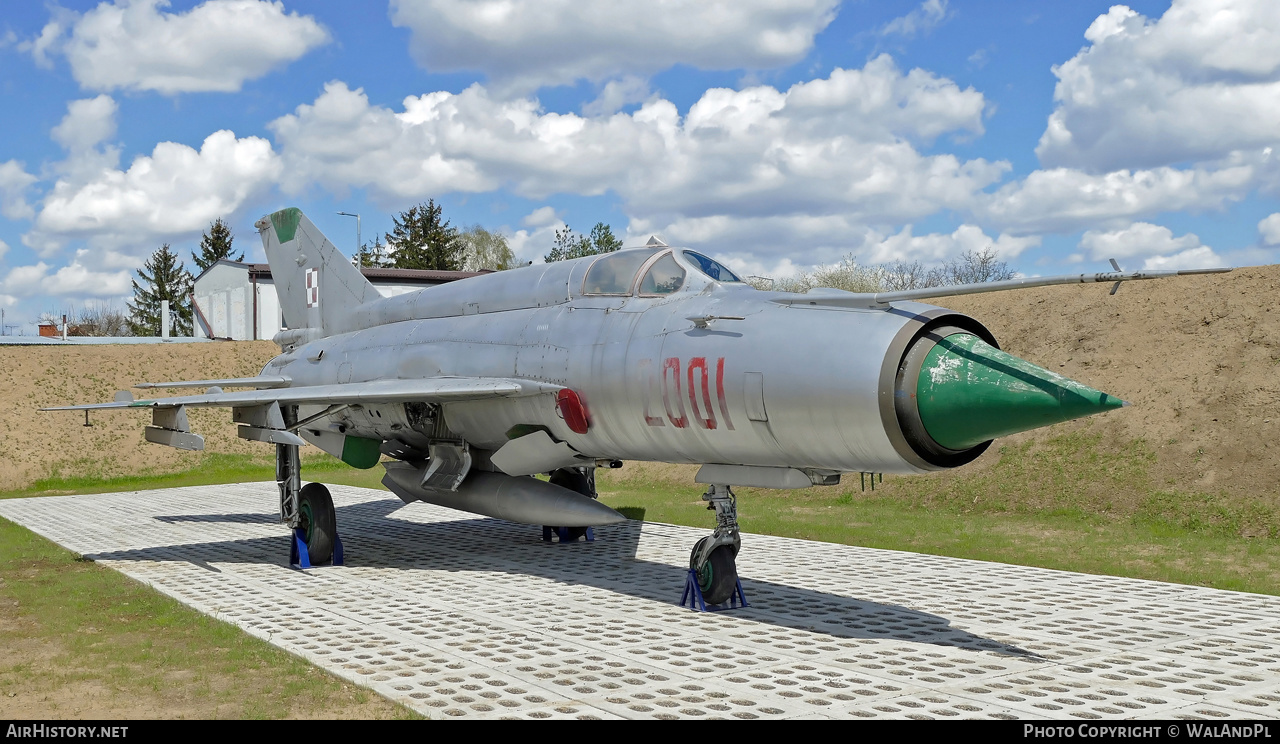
[97, 319]
[901, 275]
[972, 267]
[977, 267]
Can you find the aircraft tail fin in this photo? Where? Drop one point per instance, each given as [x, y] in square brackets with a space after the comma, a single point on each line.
[317, 285]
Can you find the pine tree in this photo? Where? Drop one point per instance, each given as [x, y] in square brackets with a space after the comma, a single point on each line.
[603, 240]
[215, 245]
[421, 239]
[163, 278]
[572, 245]
[371, 256]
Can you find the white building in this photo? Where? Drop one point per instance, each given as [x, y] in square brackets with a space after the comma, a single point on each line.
[237, 301]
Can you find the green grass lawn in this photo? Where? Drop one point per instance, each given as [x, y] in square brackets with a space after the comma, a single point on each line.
[81, 641]
[213, 469]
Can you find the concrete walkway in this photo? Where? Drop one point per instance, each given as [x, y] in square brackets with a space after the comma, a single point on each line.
[461, 616]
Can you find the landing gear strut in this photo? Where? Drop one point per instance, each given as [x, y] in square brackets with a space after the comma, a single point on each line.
[289, 479]
[307, 510]
[713, 559]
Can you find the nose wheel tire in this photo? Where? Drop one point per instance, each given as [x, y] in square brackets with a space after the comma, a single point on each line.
[718, 577]
[317, 522]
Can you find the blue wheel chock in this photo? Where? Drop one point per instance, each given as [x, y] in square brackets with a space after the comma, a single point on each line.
[692, 597]
[548, 533]
[300, 558]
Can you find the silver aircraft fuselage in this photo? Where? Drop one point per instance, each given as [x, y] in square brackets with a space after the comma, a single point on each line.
[712, 373]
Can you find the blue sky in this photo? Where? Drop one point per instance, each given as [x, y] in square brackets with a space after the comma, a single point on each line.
[775, 135]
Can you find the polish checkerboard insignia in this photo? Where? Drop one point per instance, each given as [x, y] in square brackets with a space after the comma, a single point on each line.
[313, 287]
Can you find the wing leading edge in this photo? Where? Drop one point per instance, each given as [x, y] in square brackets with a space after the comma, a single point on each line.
[429, 390]
[264, 381]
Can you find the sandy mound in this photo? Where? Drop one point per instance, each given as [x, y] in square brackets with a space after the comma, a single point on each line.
[1199, 357]
[34, 445]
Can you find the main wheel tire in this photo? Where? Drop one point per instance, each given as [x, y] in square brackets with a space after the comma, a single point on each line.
[575, 481]
[317, 521]
[718, 577]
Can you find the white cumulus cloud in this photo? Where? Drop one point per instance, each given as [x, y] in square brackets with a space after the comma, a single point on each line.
[616, 94]
[14, 182]
[24, 280]
[938, 247]
[535, 241]
[215, 46]
[1200, 82]
[1269, 228]
[758, 244]
[1192, 258]
[780, 246]
[73, 279]
[841, 149]
[1068, 199]
[525, 44]
[88, 122]
[174, 190]
[1155, 244]
[540, 217]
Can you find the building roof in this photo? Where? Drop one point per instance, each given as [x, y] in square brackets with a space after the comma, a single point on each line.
[426, 275]
[382, 276]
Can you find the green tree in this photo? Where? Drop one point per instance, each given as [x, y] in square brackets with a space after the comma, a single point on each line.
[422, 239]
[573, 245]
[215, 245]
[163, 278]
[372, 256]
[486, 250]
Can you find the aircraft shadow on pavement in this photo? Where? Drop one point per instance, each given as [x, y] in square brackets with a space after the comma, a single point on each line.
[374, 539]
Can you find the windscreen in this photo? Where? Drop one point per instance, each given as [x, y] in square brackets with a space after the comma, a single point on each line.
[713, 269]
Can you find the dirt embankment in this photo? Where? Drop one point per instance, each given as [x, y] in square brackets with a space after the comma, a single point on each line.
[35, 445]
[1198, 357]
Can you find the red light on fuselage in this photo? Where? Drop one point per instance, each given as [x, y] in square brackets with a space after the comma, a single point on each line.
[573, 411]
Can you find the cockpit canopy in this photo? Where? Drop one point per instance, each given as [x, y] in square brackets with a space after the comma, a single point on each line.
[648, 272]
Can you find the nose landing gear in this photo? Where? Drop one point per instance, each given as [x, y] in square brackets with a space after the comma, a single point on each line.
[713, 571]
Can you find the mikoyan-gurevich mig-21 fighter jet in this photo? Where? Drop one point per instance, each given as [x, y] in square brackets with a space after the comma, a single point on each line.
[655, 353]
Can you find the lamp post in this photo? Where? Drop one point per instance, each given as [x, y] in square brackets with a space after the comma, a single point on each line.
[355, 259]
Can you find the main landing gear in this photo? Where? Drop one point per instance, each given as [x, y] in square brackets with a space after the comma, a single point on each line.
[579, 480]
[712, 563]
[308, 511]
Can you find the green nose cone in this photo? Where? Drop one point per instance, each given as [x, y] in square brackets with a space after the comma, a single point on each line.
[969, 392]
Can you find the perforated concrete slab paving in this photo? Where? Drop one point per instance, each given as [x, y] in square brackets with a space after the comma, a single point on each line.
[458, 616]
